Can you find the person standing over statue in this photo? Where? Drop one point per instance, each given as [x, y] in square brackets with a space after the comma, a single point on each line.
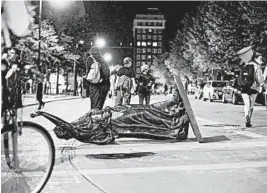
[145, 82]
[95, 64]
[250, 80]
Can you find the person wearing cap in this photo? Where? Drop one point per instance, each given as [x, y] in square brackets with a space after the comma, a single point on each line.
[249, 96]
[98, 91]
[145, 82]
[125, 83]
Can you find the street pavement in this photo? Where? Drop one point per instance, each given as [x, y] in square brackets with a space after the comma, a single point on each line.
[232, 159]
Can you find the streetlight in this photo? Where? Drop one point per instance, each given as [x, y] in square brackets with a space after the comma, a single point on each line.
[107, 57]
[100, 42]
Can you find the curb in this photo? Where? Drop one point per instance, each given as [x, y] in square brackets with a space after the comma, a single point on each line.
[49, 101]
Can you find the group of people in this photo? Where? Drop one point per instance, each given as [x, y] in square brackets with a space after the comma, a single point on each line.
[120, 83]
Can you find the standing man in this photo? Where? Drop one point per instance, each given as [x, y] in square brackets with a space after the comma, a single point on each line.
[98, 91]
[125, 83]
[144, 85]
[250, 80]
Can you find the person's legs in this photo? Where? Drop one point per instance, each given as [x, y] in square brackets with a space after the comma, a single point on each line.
[118, 100]
[147, 98]
[141, 99]
[252, 103]
[246, 100]
[95, 94]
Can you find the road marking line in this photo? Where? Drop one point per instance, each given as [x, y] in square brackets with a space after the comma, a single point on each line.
[224, 166]
[130, 148]
[245, 133]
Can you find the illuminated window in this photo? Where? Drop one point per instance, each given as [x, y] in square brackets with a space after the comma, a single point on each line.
[138, 43]
[149, 30]
[149, 56]
[149, 43]
[143, 43]
[143, 50]
[155, 44]
[159, 51]
[143, 63]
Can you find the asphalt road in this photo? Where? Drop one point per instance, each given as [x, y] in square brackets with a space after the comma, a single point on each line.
[232, 159]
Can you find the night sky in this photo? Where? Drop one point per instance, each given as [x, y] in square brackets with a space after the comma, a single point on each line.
[173, 11]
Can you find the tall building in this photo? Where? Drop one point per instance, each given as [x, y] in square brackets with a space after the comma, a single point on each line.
[148, 37]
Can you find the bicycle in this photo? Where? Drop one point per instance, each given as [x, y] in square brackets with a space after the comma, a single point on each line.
[27, 153]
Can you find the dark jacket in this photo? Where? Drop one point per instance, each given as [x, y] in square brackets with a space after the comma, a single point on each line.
[144, 83]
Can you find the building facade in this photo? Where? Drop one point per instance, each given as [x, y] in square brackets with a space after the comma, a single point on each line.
[148, 37]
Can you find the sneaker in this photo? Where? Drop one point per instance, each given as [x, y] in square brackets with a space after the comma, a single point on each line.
[248, 124]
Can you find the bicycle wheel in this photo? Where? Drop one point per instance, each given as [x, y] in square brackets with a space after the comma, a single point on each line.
[36, 155]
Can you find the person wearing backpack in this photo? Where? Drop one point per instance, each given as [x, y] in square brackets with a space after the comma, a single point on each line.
[97, 79]
[250, 80]
[145, 81]
[125, 83]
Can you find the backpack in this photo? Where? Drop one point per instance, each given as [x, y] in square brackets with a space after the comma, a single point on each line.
[124, 82]
[94, 72]
[246, 77]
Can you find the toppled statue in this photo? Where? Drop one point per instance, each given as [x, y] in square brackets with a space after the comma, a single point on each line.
[163, 120]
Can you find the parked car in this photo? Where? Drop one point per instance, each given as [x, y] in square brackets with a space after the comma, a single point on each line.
[231, 94]
[213, 90]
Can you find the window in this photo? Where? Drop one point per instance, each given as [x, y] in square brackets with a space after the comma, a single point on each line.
[143, 63]
[143, 43]
[138, 70]
[138, 57]
[138, 50]
[148, 63]
[155, 44]
[148, 50]
[155, 50]
[144, 37]
[138, 43]
[155, 37]
[160, 37]
[139, 30]
[149, 56]
[159, 30]
[143, 57]
[149, 43]
[159, 44]
[138, 64]
[159, 51]
[144, 31]
[154, 31]
[149, 30]
[149, 23]
[143, 50]
[149, 37]
[153, 23]
[139, 37]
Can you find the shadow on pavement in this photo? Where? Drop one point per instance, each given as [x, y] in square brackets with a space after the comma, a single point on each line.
[120, 155]
[218, 138]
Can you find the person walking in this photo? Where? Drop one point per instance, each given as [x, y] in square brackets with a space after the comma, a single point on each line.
[125, 83]
[250, 80]
[186, 84]
[98, 91]
[145, 82]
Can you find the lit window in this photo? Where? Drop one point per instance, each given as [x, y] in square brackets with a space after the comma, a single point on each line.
[160, 37]
[143, 43]
[149, 56]
[143, 63]
[139, 37]
[143, 50]
[138, 64]
[143, 57]
[159, 51]
[138, 50]
[138, 43]
[155, 44]
[149, 30]
[149, 43]
[144, 37]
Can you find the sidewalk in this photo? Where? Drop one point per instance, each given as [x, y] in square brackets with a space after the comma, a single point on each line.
[30, 99]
